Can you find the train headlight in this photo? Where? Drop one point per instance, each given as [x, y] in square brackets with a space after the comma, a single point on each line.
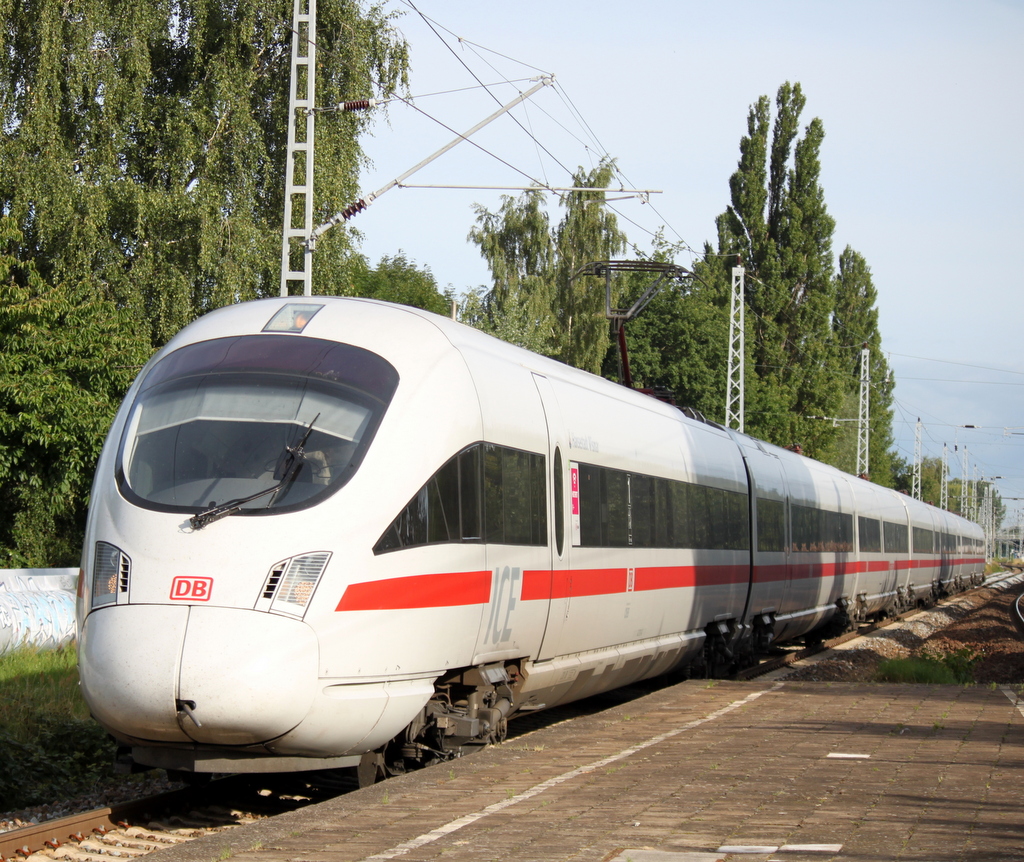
[292, 582]
[111, 571]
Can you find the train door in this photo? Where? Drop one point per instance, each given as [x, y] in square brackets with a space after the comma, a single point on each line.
[554, 585]
[769, 598]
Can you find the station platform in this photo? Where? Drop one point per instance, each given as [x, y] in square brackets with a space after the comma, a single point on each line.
[701, 771]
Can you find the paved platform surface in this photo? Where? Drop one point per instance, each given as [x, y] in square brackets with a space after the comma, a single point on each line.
[763, 770]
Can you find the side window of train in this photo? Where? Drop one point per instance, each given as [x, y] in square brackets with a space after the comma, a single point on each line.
[821, 530]
[771, 525]
[870, 530]
[924, 542]
[486, 493]
[896, 538]
[559, 503]
[620, 509]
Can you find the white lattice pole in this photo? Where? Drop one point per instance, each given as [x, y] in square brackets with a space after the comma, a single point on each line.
[298, 192]
[944, 487]
[734, 387]
[964, 502]
[864, 416]
[916, 489]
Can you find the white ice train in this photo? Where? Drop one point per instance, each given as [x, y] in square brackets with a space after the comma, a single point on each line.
[337, 532]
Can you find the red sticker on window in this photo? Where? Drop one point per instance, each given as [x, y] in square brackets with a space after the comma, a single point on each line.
[191, 589]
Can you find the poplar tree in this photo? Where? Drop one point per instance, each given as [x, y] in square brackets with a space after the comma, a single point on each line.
[143, 144]
[779, 227]
[855, 325]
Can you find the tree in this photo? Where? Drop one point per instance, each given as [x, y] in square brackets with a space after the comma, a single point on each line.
[144, 143]
[854, 326]
[396, 279]
[534, 268]
[66, 358]
[679, 342]
[588, 232]
[779, 227]
[519, 249]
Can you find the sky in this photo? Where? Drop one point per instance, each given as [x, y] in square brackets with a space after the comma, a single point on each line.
[923, 109]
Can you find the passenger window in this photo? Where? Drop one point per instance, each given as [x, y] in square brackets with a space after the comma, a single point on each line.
[485, 493]
[620, 509]
[771, 525]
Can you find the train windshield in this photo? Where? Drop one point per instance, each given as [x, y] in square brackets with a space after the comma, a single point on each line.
[214, 422]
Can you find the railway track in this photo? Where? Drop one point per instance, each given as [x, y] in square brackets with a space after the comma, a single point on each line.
[136, 828]
[794, 656]
[143, 826]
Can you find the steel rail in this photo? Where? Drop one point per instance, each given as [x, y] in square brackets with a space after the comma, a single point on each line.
[53, 833]
[783, 661]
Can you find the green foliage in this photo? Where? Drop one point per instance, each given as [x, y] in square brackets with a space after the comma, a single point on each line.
[952, 668]
[67, 355]
[588, 232]
[779, 227]
[66, 757]
[49, 746]
[960, 662]
[680, 341]
[854, 326]
[33, 680]
[535, 300]
[805, 324]
[144, 144]
[396, 279]
[914, 670]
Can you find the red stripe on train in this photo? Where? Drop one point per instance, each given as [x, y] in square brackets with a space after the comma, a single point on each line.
[560, 584]
[454, 589]
[445, 589]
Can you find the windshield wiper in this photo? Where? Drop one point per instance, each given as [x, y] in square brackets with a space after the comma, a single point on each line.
[288, 466]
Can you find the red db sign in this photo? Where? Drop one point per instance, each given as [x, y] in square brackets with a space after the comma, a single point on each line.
[191, 589]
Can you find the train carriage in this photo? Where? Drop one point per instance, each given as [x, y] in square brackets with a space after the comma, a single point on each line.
[335, 532]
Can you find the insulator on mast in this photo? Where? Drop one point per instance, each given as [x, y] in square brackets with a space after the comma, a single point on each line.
[352, 209]
[358, 105]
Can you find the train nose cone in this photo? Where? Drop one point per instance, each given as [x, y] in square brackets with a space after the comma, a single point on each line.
[251, 676]
[247, 677]
[128, 666]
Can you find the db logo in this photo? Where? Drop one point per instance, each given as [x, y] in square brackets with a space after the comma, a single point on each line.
[191, 589]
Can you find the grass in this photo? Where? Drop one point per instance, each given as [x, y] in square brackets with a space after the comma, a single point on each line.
[914, 670]
[49, 747]
[38, 682]
[954, 668]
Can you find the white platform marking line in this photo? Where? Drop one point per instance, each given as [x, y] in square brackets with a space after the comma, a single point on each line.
[748, 848]
[1016, 701]
[785, 848]
[466, 820]
[810, 848]
[836, 755]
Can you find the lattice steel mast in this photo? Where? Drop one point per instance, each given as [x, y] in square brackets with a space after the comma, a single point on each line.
[734, 396]
[916, 488]
[944, 488]
[298, 194]
[864, 416]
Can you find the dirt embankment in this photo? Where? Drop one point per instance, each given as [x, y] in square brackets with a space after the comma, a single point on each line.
[981, 622]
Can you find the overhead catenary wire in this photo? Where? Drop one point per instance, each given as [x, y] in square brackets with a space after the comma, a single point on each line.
[476, 50]
[560, 90]
[434, 27]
